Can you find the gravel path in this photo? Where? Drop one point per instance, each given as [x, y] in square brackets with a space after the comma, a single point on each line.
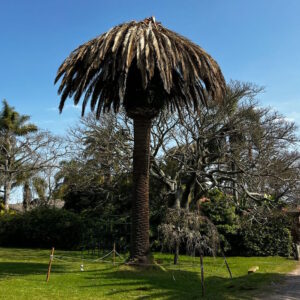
[289, 289]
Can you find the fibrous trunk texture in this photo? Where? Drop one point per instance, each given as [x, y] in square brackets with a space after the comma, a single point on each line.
[27, 196]
[140, 206]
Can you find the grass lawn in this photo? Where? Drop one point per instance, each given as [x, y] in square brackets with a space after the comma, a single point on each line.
[23, 274]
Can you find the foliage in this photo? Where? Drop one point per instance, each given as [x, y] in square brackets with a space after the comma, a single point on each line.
[190, 229]
[243, 149]
[12, 126]
[41, 227]
[25, 151]
[40, 186]
[232, 163]
[265, 237]
[11, 122]
[262, 231]
[3, 211]
[45, 227]
[143, 67]
[221, 211]
[100, 200]
[100, 158]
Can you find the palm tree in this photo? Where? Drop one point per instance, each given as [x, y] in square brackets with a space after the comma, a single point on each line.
[27, 195]
[144, 68]
[12, 124]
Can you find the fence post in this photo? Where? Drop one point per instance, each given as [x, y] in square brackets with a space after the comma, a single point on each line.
[50, 263]
[114, 254]
[227, 266]
[297, 252]
[202, 274]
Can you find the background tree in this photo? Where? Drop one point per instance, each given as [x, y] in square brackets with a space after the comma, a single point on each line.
[194, 231]
[27, 195]
[237, 147]
[24, 150]
[12, 125]
[191, 160]
[145, 68]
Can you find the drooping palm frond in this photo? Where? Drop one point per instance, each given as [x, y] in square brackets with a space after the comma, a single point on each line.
[142, 66]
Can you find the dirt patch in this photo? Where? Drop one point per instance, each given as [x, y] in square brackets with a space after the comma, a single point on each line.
[289, 289]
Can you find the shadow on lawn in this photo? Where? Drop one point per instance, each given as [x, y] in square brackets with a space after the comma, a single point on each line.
[177, 285]
[10, 269]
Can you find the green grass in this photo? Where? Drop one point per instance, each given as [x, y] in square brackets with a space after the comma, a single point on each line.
[23, 274]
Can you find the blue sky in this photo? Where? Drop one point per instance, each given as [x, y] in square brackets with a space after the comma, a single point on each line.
[255, 41]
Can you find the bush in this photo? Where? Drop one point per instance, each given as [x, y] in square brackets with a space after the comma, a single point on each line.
[263, 234]
[47, 227]
[221, 211]
[41, 227]
[268, 237]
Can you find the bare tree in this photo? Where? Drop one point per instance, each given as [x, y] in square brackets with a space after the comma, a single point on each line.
[28, 155]
[247, 151]
[100, 152]
[241, 148]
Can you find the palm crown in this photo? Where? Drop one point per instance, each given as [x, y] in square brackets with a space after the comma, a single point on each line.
[12, 121]
[142, 66]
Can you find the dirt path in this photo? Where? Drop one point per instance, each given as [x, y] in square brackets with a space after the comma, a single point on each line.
[289, 289]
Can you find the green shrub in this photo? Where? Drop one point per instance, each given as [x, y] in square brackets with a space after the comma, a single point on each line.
[47, 227]
[259, 233]
[221, 211]
[41, 227]
[267, 237]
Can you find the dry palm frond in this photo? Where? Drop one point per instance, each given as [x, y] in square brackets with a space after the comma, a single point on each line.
[142, 66]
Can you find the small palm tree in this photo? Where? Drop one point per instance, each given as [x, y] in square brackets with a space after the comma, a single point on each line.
[12, 124]
[144, 68]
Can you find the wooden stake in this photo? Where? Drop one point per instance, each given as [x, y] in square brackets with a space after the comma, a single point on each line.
[114, 254]
[202, 274]
[227, 266]
[50, 263]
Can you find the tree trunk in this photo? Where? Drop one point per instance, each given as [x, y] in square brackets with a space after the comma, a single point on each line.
[177, 206]
[7, 190]
[27, 196]
[188, 193]
[176, 254]
[234, 185]
[178, 196]
[140, 206]
[8, 179]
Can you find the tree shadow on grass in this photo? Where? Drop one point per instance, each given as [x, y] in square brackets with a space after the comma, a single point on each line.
[176, 284]
[11, 269]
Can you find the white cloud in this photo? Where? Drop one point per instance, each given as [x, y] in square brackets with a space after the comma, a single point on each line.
[66, 107]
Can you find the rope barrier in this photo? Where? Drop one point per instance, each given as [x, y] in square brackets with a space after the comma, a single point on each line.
[217, 267]
[169, 265]
[104, 256]
[119, 254]
[65, 259]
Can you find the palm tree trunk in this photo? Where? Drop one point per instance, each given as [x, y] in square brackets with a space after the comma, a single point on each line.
[177, 206]
[140, 206]
[27, 196]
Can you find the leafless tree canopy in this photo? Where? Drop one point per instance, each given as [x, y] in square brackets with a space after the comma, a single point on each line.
[28, 156]
[245, 150]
